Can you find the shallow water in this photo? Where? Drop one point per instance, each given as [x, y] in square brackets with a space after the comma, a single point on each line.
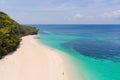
[92, 51]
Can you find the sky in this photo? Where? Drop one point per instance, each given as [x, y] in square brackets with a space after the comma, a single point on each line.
[63, 11]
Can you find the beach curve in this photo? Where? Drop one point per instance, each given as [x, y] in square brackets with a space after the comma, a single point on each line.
[33, 61]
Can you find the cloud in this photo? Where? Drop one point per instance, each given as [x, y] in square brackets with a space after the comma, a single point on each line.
[62, 11]
[75, 17]
[78, 15]
[112, 14]
[81, 16]
[61, 7]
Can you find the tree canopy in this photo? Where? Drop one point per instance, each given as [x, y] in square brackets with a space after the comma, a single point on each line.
[11, 33]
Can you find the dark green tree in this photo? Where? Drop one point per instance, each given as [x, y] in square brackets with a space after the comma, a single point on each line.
[11, 33]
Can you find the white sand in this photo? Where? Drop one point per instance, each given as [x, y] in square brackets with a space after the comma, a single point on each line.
[33, 61]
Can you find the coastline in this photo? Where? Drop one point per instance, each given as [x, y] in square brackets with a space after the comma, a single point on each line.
[33, 61]
[70, 61]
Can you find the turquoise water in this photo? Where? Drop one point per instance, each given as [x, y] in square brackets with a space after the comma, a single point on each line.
[91, 52]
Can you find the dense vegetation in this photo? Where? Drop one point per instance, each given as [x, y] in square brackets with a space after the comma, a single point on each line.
[11, 33]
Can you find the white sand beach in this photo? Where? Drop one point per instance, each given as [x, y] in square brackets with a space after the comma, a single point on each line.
[33, 61]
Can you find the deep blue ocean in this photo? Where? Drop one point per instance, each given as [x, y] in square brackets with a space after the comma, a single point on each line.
[92, 51]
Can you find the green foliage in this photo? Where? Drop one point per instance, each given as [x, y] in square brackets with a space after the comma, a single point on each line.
[11, 33]
[27, 30]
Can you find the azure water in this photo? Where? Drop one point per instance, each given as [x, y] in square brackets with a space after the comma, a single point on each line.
[91, 51]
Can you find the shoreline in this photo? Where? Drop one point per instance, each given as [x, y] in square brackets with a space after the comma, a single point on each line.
[33, 61]
[68, 62]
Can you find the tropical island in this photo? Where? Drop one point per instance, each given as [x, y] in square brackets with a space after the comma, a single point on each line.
[77, 40]
[11, 33]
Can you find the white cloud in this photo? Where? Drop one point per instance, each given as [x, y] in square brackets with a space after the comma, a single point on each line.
[112, 14]
[74, 17]
[78, 15]
[61, 7]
